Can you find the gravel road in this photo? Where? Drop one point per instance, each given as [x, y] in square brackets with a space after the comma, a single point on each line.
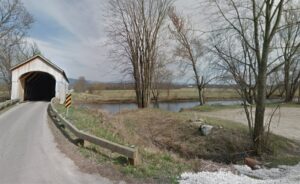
[286, 121]
[28, 153]
[280, 175]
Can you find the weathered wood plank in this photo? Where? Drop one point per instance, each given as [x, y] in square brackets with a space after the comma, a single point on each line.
[131, 153]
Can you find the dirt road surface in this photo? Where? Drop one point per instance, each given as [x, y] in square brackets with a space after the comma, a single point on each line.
[286, 120]
[28, 153]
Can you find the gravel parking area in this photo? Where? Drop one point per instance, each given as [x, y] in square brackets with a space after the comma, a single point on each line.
[286, 120]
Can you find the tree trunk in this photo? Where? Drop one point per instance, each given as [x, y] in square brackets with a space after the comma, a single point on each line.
[200, 95]
[258, 134]
[299, 94]
[287, 86]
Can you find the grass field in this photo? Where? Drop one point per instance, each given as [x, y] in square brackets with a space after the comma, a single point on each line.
[170, 144]
[173, 95]
[216, 107]
[4, 95]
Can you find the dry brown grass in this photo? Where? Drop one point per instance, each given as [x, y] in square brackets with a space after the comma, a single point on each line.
[170, 144]
[4, 95]
[173, 132]
[175, 94]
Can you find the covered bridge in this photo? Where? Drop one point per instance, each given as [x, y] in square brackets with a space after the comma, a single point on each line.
[38, 79]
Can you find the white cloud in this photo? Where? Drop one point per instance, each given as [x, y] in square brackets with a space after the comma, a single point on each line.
[82, 51]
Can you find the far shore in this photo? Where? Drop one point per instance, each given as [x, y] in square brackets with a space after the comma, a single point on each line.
[152, 101]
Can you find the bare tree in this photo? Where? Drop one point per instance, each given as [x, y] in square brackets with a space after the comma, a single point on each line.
[81, 84]
[14, 18]
[95, 87]
[254, 23]
[275, 84]
[14, 24]
[189, 50]
[134, 30]
[236, 64]
[12, 54]
[162, 78]
[290, 48]
[27, 50]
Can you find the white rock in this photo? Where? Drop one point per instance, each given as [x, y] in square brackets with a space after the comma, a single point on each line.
[206, 129]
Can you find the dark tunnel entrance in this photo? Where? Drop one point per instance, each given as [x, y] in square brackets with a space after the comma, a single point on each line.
[38, 86]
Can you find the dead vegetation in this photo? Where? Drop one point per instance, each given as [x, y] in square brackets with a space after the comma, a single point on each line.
[170, 143]
[175, 133]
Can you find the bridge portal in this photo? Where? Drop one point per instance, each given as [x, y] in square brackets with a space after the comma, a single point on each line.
[38, 79]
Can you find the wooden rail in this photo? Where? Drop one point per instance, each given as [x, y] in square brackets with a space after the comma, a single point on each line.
[130, 153]
[8, 103]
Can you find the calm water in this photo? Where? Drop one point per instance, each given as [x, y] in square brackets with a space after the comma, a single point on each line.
[170, 106]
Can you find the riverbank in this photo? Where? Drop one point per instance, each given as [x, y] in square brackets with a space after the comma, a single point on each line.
[170, 143]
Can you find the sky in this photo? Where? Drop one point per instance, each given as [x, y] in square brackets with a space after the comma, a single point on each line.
[71, 33]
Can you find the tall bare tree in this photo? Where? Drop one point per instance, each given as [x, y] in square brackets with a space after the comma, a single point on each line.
[162, 79]
[290, 48]
[12, 54]
[81, 85]
[189, 50]
[14, 18]
[134, 30]
[254, 23]
[14, 24]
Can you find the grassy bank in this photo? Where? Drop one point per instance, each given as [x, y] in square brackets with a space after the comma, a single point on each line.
[169, 143]
[160, 166]
[184, 94]
[4, 95]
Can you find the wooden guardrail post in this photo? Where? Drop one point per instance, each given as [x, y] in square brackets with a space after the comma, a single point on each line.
[79, 142]
[135, 160]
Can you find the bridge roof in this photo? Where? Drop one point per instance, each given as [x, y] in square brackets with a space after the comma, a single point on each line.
[45, 60]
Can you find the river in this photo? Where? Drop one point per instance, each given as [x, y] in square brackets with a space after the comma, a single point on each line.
[169, 106]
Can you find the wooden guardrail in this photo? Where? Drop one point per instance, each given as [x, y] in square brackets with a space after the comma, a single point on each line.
[130, 153]
[7, 103]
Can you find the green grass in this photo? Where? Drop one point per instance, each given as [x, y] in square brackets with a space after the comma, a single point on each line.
[227, 124]
[284, 151]
[282, 160]
[216, 107]
[159, 164]
[279, 150]
[89, 122]
[290, 104]
[3, 94]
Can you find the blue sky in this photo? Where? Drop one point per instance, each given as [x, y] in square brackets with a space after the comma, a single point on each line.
[71, 34]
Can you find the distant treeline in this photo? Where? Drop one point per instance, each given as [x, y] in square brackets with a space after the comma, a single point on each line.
[81, 85]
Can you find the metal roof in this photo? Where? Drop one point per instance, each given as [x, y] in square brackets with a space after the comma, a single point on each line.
[45, 60]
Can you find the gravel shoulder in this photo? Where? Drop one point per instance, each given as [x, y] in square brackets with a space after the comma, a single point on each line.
[286, 120]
